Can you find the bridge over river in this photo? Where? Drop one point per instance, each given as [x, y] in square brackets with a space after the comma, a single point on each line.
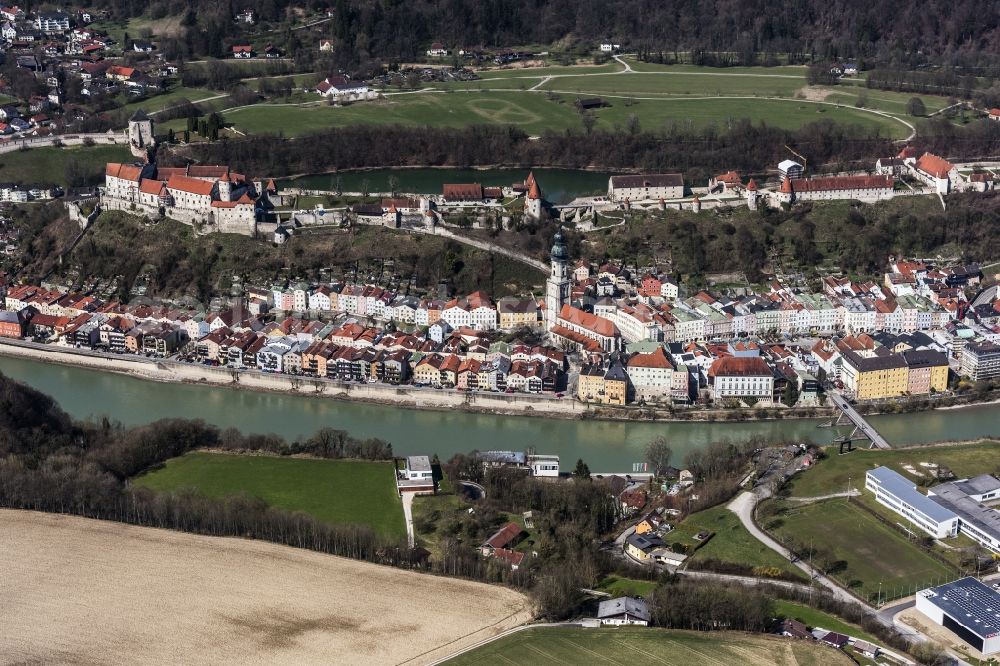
[862, 428]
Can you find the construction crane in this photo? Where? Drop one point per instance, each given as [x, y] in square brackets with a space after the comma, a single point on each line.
[804, 160]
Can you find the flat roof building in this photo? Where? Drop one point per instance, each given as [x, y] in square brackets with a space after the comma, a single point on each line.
[967, 608]
[895, 491]
[965, 499]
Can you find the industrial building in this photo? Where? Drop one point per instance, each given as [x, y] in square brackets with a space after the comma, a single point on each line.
[967, 608]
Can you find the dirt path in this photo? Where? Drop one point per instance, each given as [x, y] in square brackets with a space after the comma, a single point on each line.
[84, 591]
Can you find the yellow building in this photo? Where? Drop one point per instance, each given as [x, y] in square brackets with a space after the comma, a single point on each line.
[615, 385]
[875, 377]
[515, 313]
[590, 387]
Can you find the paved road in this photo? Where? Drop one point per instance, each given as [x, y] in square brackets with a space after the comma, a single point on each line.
[819, 498]
[408, 515]
[743, 506]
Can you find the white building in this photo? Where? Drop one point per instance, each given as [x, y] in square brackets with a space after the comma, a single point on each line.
[895, 491]
[737, 378]
[860, 188]
[790, 169]
[557, 286]
[652, 376]
[966, 607]
[623, 611]
[646, 188]
[543, 465]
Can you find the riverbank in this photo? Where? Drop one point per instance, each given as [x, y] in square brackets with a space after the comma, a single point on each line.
[407, 397]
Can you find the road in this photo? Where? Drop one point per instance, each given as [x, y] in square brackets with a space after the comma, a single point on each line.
[408, 516]
[743, 506]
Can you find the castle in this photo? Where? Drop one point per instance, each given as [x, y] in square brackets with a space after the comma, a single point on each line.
[211, 198]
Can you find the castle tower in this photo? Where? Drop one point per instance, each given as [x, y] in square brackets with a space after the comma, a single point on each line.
[786, 194]
[752, 194]
[557, 286]
[533, 201]
[225, 187]
[140, 135]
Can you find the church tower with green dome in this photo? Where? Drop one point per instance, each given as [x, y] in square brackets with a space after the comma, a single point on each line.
[557, 286]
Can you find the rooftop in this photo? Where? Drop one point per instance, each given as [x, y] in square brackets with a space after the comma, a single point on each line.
[418, 463]
[905, 490]
[622, 605]
[969, 602]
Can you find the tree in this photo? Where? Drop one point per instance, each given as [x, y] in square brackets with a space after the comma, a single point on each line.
[791, 394]
[581, 471]
[589, 120]
[915, 107]
[658, 454]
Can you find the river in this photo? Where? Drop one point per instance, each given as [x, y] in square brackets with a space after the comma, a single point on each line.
[607, 446]
[558, 185]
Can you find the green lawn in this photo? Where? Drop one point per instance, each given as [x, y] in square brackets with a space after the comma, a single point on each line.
[334, 491]
[563, 646]
[870, 552]
[831, 475]
[781, 70]
[171, 98]
[817, 618]
[713, 84]
[630, 587]
[732, 542]
[49, 165]
[535, 113]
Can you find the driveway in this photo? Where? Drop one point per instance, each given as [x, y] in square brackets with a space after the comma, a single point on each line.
[408, 515]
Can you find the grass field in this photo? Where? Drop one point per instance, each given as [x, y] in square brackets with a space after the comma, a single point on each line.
[79, 591]
[617, 586]
[334, 491]
[705, 84]
[535, 113]
[48, 165]
[561, 646]
[816, 618]
[732, 542]
[172, 97]
[832, 474]
[871, 552]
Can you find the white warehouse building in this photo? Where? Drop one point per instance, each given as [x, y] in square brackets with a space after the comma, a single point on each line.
[895, 491]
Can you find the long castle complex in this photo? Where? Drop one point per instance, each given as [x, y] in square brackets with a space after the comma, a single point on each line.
[211, 198]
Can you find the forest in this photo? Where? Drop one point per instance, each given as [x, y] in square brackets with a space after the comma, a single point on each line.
[698, 154]
[958, 33]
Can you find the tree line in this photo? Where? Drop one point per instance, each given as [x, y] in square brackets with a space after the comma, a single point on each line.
[398, 32]
[698, 153]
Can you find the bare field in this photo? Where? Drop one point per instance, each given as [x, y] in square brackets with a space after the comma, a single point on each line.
[79, 591]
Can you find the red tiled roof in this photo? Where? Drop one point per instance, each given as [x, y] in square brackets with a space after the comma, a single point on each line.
[587, 343]
[934, 165]
[752, 185]
[737, 366]
[192, 185]
[123, 171]
[730, 178]
[591, 322]
[463, 192]
[656, 359]
[839, 183]
[511, 557]
[150, 186]
[504, 536]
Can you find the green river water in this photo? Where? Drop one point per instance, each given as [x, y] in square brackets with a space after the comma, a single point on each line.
[558, 185]
[607, 446]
